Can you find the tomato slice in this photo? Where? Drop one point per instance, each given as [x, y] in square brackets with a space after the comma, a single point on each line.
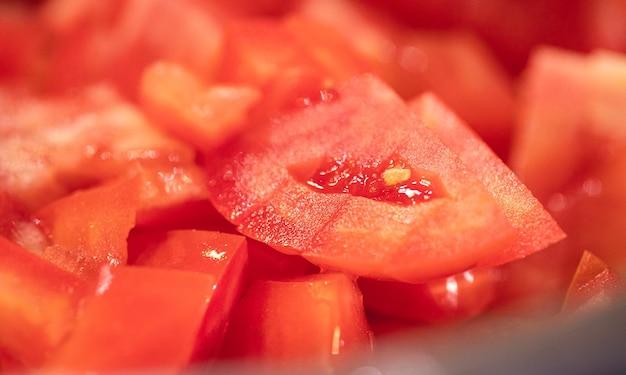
[49, 146]
[121, 327]
[260, 184]
[317, 319]
[535, 227]
[39, 303]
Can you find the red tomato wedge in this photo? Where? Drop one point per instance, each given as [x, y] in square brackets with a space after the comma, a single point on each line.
[318, 319]
[39, 303]
[594, 285]
[203, 115]
[535, 228]
[120, 327]
[221, 255]
[357, 183]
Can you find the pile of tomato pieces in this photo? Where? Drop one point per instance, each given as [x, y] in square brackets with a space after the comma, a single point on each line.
[184, 183]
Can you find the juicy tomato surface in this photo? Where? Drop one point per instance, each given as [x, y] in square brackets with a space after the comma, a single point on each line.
[196, 183]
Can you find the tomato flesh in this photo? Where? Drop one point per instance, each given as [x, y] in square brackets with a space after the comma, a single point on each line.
[317, 317]
[250, 184]
[384, 180]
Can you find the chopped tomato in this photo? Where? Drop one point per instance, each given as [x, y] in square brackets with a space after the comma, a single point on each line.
[317, 319]
[455, 64]
[17, 226]
[121, 326]
[88, 228]
[39, 303]
[577, 101]
[594, 285]
[165, 191]
[260, 185]
[269, 264]
[50, 146]
[451, 299]
[221, 255]
[203, 115]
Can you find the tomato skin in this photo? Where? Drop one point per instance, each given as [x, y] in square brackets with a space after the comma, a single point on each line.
[39, 303]
[318, 319]
[250, 184]
[576, 101]
[442, 301]
[453, 63]
[223, 256]
[120, 329]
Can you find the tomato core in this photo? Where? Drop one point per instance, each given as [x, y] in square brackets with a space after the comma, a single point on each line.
[389, 180]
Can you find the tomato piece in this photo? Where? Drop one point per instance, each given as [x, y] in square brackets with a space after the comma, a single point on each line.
[116, 41]
[455, 64]
[39, 303]
[256, 183]
[200, 114]
[326, 46]
[594, 285]
[317, 319]
[49, 146]
[167, 193]
[535, 227]
[577, 101]
[221, 255]
[274, 55]
[451, 299]
[121, 327]
[88, 229]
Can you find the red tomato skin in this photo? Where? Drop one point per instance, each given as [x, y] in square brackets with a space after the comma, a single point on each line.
[318, 319]
[250, 184]
[117, 40]
[221, 255]
[442, 301]
[120, 327]
[48, 146]
[39, 303]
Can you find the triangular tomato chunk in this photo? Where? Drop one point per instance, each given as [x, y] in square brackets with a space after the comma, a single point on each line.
[355, 182]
